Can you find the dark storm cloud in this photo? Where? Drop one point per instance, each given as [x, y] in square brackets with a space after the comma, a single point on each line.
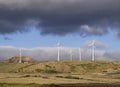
[60, 17]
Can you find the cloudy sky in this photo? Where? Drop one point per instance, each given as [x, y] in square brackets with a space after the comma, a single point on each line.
[41, 23]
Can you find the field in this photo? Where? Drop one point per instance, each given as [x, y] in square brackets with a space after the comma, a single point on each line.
[60, 74]
[61, 85]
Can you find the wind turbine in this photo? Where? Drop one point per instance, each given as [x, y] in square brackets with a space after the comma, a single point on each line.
[80, 54]
[20, 60]
[93, 50]
[58, 50]
[92, 45]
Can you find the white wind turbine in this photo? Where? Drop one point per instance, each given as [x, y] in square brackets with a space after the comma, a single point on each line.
[92, 44]
[93, 50]
[20, 60]
[58, 51]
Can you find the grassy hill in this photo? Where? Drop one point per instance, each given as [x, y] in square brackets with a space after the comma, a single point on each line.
[63, 72]
[75, 67]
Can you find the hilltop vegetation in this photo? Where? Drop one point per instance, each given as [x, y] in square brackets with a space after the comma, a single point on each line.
[24, 59]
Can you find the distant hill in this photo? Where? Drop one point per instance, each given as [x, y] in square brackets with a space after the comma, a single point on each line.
[24, 59]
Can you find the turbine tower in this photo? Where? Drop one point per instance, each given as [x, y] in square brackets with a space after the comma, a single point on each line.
[58, 49]
[80, 54]
[93, 50]
[20, 60]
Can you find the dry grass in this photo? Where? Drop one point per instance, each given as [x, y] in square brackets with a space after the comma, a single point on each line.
[84, 67]
[66, 72]
[50, 79]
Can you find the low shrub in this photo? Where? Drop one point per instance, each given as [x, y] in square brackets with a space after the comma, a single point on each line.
[69, 77]
[46, 71]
